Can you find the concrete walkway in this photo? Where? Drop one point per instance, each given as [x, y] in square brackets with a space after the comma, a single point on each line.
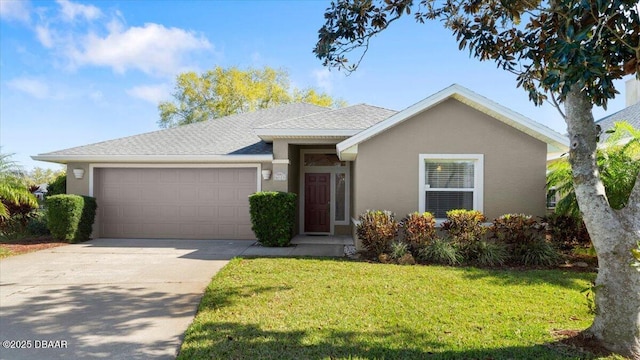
[114, 298]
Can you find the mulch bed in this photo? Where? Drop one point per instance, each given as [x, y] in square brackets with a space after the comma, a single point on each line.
[23, 246]
[579, 341]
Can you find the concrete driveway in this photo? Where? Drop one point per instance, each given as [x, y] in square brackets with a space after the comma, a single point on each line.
[107, 298]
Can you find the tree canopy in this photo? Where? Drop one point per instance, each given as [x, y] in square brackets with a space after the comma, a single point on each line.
[220, 92]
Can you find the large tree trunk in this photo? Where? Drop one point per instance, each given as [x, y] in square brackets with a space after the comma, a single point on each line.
[613, 233]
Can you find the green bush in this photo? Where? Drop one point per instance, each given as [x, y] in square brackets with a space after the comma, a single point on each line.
[398, 249]
[537, 253]
[567, 232]
[70, 217]
[377, 229]
[440, 251]
[85, 228]
[464, 228]
[485, 253]
[37, 225]
[517, 229]
[273, 216]
[58, 186]
[419, 229]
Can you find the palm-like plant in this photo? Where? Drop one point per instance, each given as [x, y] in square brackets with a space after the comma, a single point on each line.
[618, 161]
[13, 191]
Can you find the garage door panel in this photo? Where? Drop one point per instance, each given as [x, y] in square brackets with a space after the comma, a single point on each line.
[196, 203]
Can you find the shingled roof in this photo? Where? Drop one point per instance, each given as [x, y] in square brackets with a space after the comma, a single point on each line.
[630, 114]
[229, 135]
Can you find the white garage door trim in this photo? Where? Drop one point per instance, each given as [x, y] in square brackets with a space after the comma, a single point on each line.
[258, 168]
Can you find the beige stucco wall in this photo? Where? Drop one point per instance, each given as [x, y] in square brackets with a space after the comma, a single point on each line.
[78, 186]
[385, 173]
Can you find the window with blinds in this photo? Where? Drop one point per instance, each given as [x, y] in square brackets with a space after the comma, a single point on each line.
[449, 184]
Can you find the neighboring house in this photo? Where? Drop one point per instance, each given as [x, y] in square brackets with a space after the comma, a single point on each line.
[454, 149]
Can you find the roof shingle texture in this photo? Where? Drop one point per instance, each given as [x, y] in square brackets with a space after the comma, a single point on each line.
[227, 135]
[630, 114]
[356, 117]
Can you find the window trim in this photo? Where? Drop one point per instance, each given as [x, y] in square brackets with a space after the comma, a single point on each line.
[478, 181]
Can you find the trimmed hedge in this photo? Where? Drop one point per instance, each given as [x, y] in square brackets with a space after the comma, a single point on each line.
[273, 217]
[70, 217]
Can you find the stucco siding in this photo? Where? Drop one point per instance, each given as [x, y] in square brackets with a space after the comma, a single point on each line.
[386, 169]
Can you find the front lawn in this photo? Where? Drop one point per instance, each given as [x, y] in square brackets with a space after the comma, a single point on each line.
[325, 309]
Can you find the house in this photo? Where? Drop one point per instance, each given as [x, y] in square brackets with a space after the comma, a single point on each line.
[630, 114]
[454, 149]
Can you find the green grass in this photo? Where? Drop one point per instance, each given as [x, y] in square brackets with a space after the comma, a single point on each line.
[4, 252]
[332, 309]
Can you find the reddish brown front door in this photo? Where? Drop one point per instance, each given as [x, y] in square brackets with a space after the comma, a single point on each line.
[317, 194]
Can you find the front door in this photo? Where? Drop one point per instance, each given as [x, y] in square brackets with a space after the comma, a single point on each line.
[317, 195]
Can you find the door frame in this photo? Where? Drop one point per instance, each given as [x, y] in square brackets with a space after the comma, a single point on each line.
[333, 171]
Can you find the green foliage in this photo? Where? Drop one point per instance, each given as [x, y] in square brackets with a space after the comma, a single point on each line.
[536, 253]
[377, 229]
[15, 198]
[70, 217]
[85, 227]
[272, 217]
[398, 249]
[618, 166]
[37, 225]
[464, 226]
[58, 186]
[39, 176]
[636, 256]
[485, 253]
[419, 229]
[550, 46]
[517, 229]
[567, 231]
[440, 251]
[221, 92]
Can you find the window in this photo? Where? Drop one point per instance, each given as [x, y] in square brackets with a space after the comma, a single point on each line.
[552, 198]
[448, 182]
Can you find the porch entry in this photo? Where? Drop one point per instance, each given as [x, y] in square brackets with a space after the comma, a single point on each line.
[324, 190]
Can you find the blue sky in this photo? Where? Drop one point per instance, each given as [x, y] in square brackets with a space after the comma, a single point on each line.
[74, 73]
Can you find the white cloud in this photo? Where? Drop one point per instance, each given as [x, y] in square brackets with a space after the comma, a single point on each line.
[70, 11]
[152, 49]
[33, 87]
[151, 93]
[324, 79]
[44, 35]
[15, 10]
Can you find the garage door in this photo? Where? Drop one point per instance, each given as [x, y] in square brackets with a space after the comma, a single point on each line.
[174, 203]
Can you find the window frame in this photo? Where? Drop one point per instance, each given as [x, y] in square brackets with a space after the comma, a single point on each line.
[478, 181]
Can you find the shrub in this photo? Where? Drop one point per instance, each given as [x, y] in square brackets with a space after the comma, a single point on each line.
[486, 253]
[37, 225]
[517, 229]
[58, 186]
[419, 229]
[567, 231]
[70, 217]
[464, 226]
[85, 227]
[377, 229]
[536, 253]
[440, 251]
[398, 249]
[273, 217]
[63, 215]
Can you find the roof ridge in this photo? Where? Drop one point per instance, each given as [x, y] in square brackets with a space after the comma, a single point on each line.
[325, 109]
